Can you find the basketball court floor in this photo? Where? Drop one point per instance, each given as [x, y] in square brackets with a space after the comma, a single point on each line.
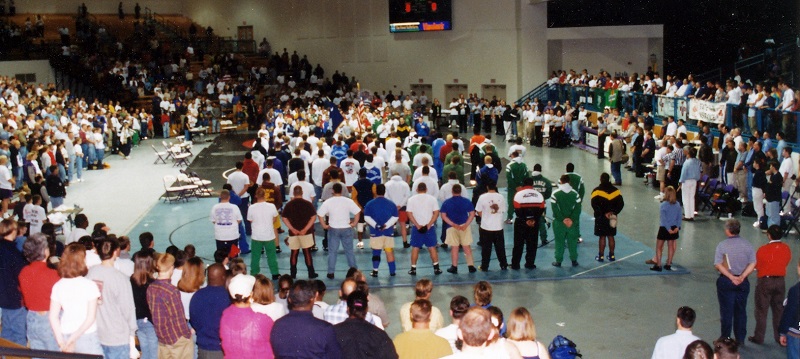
[610, 309]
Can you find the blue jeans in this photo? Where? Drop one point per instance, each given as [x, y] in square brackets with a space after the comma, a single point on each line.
[72, 164]
[14, 325]
[79, 167]
[792, 347]
[40, 334]
[165, 128]
[99, 153]
[56, 201]
[215, 125]
[733, 307]
[345, 237]
[88, 343]
[148, 341]
[89, 153]
[20, 177]
[575, 131]
[62, 173]
[773, 213]
[317, 194]
[616, 171]
[117, 352]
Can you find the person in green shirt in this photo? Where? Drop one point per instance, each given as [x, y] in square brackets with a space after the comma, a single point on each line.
[542, 185]
[576, 181]
[516, 173]
[566, 205]
[454, 165]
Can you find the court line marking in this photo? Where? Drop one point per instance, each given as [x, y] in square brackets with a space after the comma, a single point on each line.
[227, 172]
[607, 264]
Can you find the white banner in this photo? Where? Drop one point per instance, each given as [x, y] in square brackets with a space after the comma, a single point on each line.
[666, 107]
[709, 112]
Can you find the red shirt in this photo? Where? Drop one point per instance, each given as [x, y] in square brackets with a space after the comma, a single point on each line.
[164, 118]
[772, 259]
[36, 281]
[250, 168]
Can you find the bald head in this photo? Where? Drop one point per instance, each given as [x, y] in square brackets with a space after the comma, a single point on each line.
[348, 286]
[216, 275]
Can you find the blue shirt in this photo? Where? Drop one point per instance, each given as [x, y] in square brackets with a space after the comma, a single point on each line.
[690, 170]
[781, 145]
[457, 209]
[300, 335]
[670, 215]
[422, 129]
[489, 171]
[381, 210]
[205, 311]
[340, 152]
[11, 263]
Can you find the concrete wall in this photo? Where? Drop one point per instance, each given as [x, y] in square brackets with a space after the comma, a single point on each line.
[44, 73]
[611, 48]
[96, 6]
[502, 40]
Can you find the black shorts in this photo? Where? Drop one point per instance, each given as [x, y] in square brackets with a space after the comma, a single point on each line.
[664, 235]
[6, 193]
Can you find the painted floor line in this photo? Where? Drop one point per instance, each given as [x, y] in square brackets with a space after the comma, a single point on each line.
[608, 264]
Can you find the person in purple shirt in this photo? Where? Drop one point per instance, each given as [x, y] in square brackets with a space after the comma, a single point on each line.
[205, 311]
[300, 335]
[244, 333]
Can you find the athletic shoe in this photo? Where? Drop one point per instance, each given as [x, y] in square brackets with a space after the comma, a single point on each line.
[580, 239]
[405, 245]
[413, 271]
[278, 250]
[276, 276]
[443, 245]
[598, 258]
[508, 221]
[360, 245]
[472, 269]
[374, 273]
[452, 269]
[611, 258]
[656, 268]
[531, 266]
[574, 263]
[556, 264]
[756, 224]
[313, 275]
[437, 271]
[667, 267]
[330, 275]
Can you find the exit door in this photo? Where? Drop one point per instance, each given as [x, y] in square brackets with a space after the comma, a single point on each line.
[490, 91]
[453, 91]
[245, 36]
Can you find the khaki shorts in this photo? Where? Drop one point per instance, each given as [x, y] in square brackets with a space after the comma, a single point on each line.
[661, 174]
[300, 242]
[454, 237]
[381, 242]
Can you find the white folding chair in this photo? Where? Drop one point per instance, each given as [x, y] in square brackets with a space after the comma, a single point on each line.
[173, 191]
[160, 156]
[189, 189]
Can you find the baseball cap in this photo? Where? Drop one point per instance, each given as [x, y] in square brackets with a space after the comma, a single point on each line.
[241, 284]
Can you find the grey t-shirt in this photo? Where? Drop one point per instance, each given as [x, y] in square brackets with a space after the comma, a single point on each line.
[116, 313]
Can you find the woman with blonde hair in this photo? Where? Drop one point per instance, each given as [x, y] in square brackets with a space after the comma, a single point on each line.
[669, 225]
[73, 304]
[264, 299]
[192, 279]
[521, 331]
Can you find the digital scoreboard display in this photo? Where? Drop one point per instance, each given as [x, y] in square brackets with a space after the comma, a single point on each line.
[420, 15]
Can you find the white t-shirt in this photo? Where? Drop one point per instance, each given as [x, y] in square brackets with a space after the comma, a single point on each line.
[238, 180]
[262, 215]
[226, 218]
[491, 220]
[274, 310]
[74, 295]
[308, 189]
[339, 211]
[450, 333]
[787, 168]
[5, 178]
[431, 185]
[34, 215]
[422, 207]
[418, 173]
[274, 176]
[350, 167]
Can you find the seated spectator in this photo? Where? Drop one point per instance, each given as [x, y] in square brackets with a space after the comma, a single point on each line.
[422, 290]
[420, 341]
[357, 337]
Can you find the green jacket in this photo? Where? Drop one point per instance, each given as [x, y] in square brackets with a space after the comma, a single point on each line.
[542, 185]
[576, 182]
[565, 204]
[516, 172]
[457, 168]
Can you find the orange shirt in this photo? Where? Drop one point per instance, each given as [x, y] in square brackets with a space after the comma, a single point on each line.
[772, 259]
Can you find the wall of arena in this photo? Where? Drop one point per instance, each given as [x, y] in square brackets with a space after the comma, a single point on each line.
[41, 68]
[96, 6]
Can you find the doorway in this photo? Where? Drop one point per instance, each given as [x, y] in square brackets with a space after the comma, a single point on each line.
[453, 91]
[490, 91]
[245, 36]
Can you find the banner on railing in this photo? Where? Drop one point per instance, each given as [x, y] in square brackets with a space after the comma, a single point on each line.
[709, 112]
[667, 107]
[605, 98]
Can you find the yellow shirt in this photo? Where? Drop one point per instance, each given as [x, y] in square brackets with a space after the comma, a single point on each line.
[421, 344]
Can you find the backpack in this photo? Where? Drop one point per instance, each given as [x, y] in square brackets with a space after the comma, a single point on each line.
[563, 348]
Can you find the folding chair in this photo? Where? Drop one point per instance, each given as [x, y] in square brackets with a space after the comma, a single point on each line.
[160, 156]
[189, 189]
[173, 192]
[168, 149]
[722, 202]
[790, 221]
[203, 184]
[180, 159]
[706, 194]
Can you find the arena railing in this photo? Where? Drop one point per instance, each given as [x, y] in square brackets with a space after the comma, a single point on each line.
[7, 352]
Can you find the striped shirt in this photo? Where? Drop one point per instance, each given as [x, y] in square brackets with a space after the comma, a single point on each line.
[678, 156]
[168, 316]
[739, 253]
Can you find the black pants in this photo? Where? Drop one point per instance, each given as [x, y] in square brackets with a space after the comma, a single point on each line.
[226, 246]
[487, 124]
[489, 239]
[498, 123]
[476, 121]
[536, 140]
[525, 238]
[601, 140]
[556, 134]
[462, 123]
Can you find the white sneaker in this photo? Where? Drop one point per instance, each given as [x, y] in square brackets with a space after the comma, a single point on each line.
[360, 245]
[756, 224]
[660, 196]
